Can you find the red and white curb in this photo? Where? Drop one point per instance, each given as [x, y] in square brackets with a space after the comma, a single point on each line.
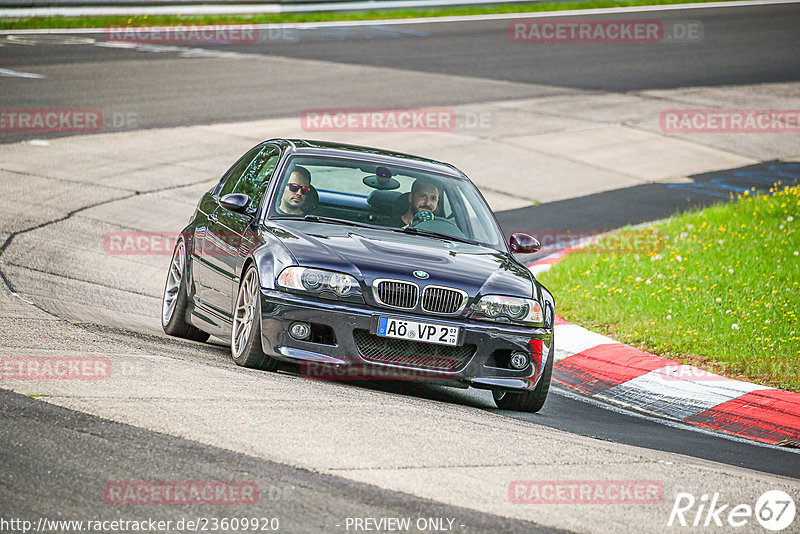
[603, 368]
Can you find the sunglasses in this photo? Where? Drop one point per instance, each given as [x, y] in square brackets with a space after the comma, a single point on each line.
[304, 189]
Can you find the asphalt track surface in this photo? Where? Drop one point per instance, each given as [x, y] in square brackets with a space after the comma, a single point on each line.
[747, 45]
[738, 46]
[303, 501]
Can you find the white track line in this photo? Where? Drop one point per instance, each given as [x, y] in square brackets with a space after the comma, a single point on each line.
[19, 74]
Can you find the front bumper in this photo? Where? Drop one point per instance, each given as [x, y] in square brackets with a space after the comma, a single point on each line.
[342, 358]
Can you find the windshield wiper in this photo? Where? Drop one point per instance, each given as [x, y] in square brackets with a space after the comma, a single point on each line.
[437, 235]
[333, 220]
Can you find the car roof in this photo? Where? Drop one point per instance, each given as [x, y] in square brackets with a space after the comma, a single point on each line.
[308, 146]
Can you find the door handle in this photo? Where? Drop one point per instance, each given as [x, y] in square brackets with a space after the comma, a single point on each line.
[213, 218]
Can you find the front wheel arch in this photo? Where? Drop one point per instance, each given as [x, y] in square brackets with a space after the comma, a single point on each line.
[528, 401]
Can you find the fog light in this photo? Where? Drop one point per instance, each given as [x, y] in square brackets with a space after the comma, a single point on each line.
[300, 331]
[519, 360]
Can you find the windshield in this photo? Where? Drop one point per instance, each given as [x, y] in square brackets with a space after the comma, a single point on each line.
[384, 196]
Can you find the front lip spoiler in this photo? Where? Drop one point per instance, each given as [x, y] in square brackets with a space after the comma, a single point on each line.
[507, 383]
[304, 356]
[301, 355]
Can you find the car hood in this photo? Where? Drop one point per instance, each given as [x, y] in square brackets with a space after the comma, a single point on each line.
[370, 253]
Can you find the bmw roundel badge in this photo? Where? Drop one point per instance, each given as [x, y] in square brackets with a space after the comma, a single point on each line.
[422, 275]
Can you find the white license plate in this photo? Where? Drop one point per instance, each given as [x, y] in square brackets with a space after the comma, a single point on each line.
[414, 331]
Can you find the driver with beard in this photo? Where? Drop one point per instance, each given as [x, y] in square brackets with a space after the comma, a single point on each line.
[424, 197]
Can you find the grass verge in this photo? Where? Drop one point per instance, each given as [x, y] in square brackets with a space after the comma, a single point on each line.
[267, 18]
[717, 288]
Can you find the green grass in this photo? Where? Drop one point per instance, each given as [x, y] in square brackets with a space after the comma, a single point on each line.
[716, 288]
[163, 20]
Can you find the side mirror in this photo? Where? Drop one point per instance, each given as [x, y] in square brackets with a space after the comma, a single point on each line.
[236, 202]
[520, 243]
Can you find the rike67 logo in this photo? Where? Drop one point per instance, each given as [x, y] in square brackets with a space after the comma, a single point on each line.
[774, 510]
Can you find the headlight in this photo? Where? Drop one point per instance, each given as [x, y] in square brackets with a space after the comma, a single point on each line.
[326, 284]
[508, 309]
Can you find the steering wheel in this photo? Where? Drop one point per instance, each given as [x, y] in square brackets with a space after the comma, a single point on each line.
[421, 217]
[426, 220]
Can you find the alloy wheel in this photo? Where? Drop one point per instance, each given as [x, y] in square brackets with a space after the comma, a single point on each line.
[173, 286]
[244, 313]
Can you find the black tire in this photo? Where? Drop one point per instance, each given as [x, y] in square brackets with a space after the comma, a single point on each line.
[246, 350]
[173, 318]
[527, 401]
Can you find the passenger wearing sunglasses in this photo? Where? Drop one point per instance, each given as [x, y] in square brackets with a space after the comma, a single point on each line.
[296, 192]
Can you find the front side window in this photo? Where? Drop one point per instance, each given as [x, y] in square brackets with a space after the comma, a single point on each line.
[254, 180]
[231, 178]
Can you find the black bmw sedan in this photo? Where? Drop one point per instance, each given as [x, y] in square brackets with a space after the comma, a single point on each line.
[358, 262]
